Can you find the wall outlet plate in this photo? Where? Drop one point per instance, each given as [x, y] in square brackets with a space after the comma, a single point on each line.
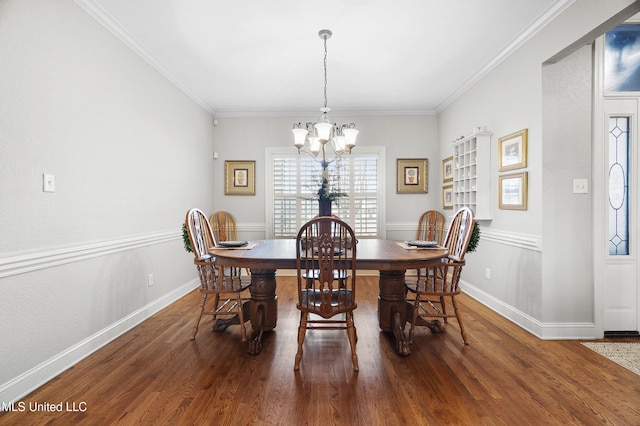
[581, 186]
[48, 182]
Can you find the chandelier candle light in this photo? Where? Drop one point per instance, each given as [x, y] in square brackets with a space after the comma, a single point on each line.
[317, 135]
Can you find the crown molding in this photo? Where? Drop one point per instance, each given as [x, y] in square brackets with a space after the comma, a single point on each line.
[334, 113]
[531, 31]
[106, 20]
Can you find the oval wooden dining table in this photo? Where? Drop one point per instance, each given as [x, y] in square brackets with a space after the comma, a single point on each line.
[265, 257]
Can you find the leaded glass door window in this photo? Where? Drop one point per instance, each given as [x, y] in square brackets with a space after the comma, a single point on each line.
[619, 185]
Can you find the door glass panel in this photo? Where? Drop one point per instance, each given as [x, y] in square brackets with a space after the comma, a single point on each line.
[622, 45]
[619, 185]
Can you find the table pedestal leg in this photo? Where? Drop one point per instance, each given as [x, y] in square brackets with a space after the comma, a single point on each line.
[392, 308]
[263, 307]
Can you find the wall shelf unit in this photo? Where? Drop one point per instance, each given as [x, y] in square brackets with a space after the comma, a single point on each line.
[472, 174]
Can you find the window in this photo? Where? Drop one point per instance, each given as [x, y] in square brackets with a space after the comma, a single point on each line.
[620, 59]
[293, 181]
[619, 185]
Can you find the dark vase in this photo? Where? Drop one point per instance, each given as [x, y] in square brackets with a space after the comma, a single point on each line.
[324, 207]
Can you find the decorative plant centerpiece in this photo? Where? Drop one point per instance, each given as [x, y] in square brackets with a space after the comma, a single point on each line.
[326, 195]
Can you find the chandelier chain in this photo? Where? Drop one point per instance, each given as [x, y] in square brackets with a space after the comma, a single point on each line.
[323, 134]
[325, 72]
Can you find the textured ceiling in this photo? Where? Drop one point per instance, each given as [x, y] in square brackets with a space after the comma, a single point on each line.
[265, 57]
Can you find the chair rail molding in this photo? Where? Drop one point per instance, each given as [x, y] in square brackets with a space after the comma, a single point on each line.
[30, 261]
[524, 241]
[402, 226]
[252, 227]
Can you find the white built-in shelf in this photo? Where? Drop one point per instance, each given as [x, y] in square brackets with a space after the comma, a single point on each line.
[472, 174]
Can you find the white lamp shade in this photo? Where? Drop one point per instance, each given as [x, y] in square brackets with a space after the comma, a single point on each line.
[315, 145]
[323, 130]
[350, 136]
[340, 144]
[299, 136]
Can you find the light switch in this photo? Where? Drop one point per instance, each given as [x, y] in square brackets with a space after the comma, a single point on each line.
[48, 183]
[580, 186]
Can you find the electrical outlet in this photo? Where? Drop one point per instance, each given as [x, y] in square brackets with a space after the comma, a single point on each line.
[487, 273]
[150, 280]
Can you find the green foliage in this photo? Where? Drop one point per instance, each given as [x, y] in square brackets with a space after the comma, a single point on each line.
[326, 194]
[185, 239]
[475, 238]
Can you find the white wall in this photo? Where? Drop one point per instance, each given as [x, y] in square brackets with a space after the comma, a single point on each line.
[508, 99]
[567, 218]
[130, 154]
[403, 136]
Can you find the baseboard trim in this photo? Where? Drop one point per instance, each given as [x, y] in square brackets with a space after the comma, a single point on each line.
[32, 379]
[544, 331]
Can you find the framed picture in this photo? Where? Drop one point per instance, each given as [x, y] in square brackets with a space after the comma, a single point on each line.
[239, 178]
[512, 151]
[512, 191]
[447, 197]
[411, 175]
[447, 169]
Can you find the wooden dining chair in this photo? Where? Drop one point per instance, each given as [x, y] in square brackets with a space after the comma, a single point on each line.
[339, 275]
[326, 250]
[427, 292]
[430, 226]
[225, 284]
[223, 225]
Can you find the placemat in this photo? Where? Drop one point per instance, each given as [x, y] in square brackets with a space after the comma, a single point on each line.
[408, 247]
[247, 247]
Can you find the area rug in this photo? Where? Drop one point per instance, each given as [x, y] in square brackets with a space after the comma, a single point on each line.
[624, 354]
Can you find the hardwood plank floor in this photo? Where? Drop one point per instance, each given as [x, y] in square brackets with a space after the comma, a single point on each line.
[155, 375]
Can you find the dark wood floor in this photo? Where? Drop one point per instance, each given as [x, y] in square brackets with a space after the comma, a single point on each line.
[155, 375]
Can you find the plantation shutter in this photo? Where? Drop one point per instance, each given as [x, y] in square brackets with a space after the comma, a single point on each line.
[296, 181]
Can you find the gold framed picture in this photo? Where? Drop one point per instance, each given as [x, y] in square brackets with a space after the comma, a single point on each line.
[512, 151]
[411, 176]
[512, 190]
[447, 197]
[447, 169]
[239, 177]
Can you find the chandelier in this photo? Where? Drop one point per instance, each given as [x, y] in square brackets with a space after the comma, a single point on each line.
[314, 137]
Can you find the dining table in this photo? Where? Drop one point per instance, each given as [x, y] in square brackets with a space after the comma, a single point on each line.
[391, 258]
